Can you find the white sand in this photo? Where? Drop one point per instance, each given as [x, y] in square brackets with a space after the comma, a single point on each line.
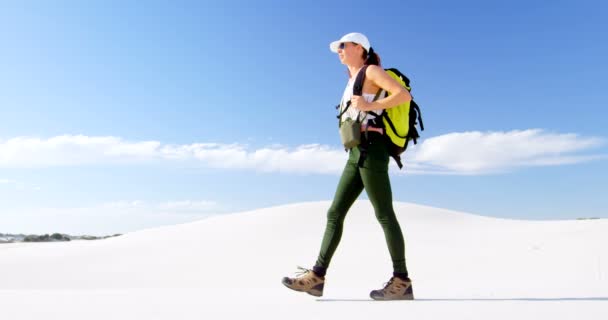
[227, 267]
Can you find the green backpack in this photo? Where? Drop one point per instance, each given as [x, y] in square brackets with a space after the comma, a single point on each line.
[399, 122]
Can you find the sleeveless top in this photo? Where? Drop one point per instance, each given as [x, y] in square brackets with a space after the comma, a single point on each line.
[352, 112]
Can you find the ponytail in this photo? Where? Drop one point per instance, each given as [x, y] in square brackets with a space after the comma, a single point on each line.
[371, 57]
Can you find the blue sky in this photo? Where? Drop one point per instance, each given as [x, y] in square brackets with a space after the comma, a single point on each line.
[117, 116]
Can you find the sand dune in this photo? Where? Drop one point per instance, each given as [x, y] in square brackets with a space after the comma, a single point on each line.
[463, 267]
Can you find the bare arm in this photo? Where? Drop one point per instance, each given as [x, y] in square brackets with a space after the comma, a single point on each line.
[380, 78]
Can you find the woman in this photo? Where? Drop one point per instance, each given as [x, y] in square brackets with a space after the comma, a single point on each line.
[355, 52]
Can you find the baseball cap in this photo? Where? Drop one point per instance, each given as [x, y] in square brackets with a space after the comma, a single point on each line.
[351, 37]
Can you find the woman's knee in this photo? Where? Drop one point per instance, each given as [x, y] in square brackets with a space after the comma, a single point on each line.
[386, 217]
[335, 216]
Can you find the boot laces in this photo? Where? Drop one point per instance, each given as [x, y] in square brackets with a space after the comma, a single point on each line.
[302, 272]
[389, 283]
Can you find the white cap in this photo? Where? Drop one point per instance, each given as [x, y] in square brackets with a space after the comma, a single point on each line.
[351, 37]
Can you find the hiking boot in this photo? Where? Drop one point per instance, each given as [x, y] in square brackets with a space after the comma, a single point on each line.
[395, 289]
[306, 281]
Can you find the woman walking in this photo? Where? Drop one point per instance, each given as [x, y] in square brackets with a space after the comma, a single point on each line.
[369, 172]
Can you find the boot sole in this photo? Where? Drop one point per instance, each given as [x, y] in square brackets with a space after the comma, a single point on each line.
[312, 292]
[402, 298]
[409, 295]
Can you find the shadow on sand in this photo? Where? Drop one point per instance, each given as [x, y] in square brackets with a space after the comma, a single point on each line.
[477, 299]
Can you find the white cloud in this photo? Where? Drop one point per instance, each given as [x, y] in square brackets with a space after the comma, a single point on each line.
[487, 152]
[176, 207]
[67, 150]
[190, 206]
[17, 185]
[106, 218]
[70, 150]
[455, 153]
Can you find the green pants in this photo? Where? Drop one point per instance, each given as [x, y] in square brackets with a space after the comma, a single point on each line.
[373, 177]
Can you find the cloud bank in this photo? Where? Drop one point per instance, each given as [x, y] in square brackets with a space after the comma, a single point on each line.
[455, 153]
[106, 218]
[489, 152]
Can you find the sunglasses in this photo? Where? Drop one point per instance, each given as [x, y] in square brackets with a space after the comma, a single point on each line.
[343, 44]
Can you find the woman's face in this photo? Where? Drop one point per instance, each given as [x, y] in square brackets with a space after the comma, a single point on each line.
[349, 52]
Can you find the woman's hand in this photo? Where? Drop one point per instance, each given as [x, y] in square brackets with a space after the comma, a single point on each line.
[360, 103]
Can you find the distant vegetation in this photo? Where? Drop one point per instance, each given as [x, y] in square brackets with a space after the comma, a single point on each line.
[12, 238]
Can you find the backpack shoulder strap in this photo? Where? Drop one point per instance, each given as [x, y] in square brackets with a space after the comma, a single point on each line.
[357, 91]
[359, 81]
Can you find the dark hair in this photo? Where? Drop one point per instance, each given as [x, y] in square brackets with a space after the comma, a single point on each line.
[371, 57]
